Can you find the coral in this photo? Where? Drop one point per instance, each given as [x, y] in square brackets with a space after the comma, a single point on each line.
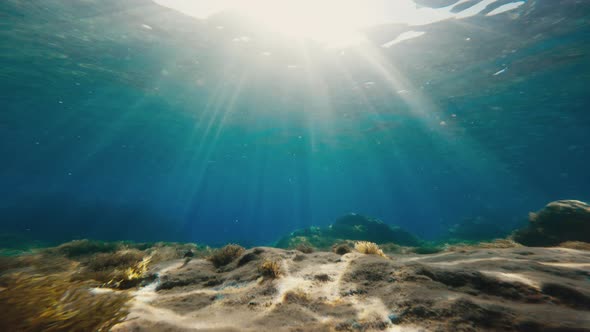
[54, 303]
[368, 248]
[226, 255]
[270, 268]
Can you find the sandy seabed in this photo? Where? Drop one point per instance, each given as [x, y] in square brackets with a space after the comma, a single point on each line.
[475, 289]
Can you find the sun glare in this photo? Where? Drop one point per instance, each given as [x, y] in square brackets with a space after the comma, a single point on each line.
[335, 23]
[331, 22]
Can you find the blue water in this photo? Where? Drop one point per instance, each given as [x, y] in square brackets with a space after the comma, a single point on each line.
[175, 132]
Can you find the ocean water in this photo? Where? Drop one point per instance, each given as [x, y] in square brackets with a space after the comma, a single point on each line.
[132, 120]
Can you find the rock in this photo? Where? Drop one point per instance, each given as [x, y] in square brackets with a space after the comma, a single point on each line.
[357, 227]
[558, 222]
[353, 227]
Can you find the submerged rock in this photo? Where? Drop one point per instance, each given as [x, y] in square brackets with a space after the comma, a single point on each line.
[558, 222]
[357, 227]
[349, 227]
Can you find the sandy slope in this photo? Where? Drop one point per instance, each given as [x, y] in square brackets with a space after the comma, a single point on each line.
[526, 289]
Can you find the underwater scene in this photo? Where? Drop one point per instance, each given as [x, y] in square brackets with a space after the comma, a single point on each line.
[283, 165]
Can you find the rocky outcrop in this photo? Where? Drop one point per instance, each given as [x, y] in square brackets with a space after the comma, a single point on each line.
[352, 226]
[558, 222]
[357, 227]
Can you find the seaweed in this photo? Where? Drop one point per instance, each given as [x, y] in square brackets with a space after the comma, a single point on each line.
[270, 268]
[105, 261]
[123, 269]
[341, 248]
[305, 248]
[79, 248]
[226, 255]
[54, 303]
[296, 296]
[368, 248]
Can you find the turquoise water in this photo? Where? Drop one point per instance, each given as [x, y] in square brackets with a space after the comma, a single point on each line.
[126, 120]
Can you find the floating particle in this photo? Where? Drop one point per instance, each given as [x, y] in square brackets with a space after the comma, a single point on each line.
[500, 72]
